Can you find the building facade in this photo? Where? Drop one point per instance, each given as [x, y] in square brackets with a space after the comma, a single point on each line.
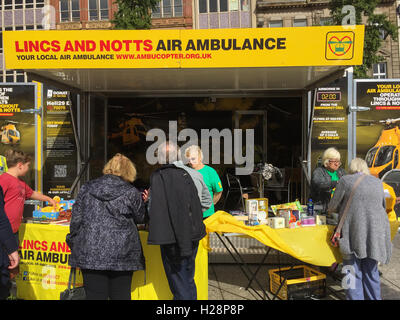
[185, 14]
[19, 15]
[302, 13]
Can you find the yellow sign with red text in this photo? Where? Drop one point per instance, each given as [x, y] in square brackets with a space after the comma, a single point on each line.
[211, 48]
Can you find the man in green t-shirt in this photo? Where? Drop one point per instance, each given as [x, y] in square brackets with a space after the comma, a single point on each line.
[210, 176]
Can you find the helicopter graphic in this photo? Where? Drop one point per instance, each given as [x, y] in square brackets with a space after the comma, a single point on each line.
[384, 155]
[10, 135]
[132, 131]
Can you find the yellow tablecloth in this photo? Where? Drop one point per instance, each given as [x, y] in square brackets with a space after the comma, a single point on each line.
[308, 244]
[44, 269]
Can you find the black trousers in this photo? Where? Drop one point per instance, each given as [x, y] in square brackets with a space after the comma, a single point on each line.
[106, 284]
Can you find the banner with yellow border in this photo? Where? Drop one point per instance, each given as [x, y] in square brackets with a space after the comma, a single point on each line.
[211, 48]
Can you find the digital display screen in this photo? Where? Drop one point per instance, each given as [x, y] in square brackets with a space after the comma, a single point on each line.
[329, 96]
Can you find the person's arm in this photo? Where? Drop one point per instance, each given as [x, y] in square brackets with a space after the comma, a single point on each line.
[338, 196]
[76, 217]
[217, 196]
[320, 182]
[138, 205]
[41, 197]
[14, 260]
[217, 187]
[7, 238]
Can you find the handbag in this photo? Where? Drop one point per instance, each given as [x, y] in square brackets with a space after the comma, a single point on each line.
[74, 293]
[337, 233]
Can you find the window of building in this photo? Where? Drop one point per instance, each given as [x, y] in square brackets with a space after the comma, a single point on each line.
[379, 70]
[276, 24]
[7, 4]
[28, 4]
[39, 3]
[69, 10]
[168, 8]
[206, 6]
[98, 10]
[9, 76]
[325, 21]
[300, 23]
[18, 4]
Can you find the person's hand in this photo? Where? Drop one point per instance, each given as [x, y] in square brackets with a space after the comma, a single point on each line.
[145, 195]
[14, 260]
[53, 203]
[397, 200]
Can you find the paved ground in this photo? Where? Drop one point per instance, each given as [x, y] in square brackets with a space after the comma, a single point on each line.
[227, 281]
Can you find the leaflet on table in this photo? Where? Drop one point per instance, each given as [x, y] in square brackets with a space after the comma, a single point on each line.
[291, 205]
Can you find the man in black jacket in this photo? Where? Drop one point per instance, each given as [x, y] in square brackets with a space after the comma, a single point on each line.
[175, 222]
[9, 257]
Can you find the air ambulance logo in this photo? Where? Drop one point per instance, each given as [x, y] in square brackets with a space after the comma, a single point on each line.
[339, 45]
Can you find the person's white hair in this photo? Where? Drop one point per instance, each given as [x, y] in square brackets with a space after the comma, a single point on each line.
[194, 149]
[330, 153]
[358, 165]
[168, 152]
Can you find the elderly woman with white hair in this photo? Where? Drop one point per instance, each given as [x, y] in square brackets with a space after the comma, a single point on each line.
[365, 235]
[194, 155]
[325, 178]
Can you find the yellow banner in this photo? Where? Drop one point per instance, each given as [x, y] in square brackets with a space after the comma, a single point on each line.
[211, 48]
[44, 269]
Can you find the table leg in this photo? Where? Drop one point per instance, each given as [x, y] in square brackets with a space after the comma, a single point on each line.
[261, 185]
[259, 267]
[243, 266]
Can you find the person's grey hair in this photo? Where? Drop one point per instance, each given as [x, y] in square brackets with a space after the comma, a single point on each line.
[168, 152]
[358, 165]
[194, 149]
[330, 153]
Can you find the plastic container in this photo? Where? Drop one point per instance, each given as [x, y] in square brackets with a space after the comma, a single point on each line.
[299, 282]
[310, 207]
[308, 221]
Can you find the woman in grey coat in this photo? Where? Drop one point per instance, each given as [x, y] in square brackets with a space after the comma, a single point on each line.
[365, 237]
[103, 238]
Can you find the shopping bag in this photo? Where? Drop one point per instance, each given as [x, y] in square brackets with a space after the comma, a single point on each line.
[73, 293]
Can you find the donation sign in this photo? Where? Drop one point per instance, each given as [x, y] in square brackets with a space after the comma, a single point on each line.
[261, 47]
[329, 127]
[60, 155]
[378, 133]
[44, 269]
[18, 127]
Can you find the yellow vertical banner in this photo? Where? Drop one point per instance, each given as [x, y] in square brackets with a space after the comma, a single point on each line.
[44, 269]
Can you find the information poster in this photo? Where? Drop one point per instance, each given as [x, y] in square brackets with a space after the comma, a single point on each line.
[329, 126]
[378, 134]
[60, 155]
[18, 127]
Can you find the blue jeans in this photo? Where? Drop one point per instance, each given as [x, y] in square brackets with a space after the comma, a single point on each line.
[180, 271]
[362, 278]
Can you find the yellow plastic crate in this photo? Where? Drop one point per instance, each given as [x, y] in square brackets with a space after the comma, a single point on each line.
[299, 282]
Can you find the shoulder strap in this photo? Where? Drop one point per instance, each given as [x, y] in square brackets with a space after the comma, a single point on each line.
[341, 222]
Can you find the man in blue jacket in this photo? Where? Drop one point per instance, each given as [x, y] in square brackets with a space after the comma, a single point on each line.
[9, 257]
